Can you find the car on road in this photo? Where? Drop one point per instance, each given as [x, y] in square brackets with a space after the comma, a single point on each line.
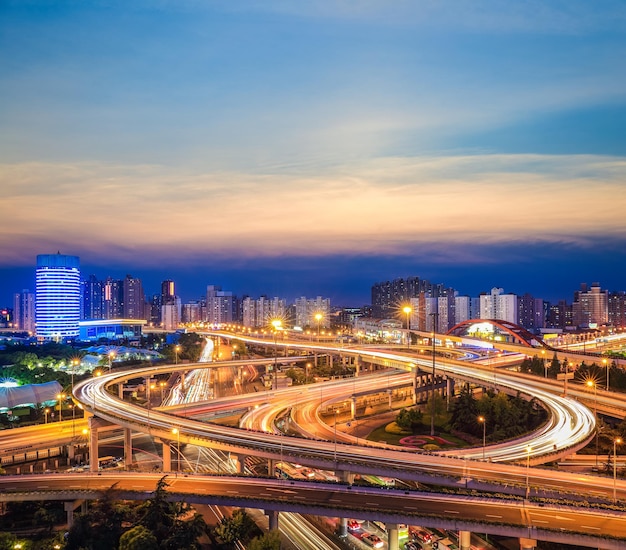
[353, 525]
[373, 541]
[421, 536]
[411, 546]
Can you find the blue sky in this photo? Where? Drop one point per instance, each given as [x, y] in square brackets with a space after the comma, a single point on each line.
[304, 148]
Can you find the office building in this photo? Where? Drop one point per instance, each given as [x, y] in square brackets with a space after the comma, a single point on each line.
[92, 298]
[497, 305]
[312, 313]
[220, 305]
[57, 300]
[590, 306]
[133, 299]
[24, 311]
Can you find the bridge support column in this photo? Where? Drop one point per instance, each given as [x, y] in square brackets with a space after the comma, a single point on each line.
[389, 395]
[182, 381]
[69, 508]
[93, 445]
[527, 544]
[345, 476]
[241, 464]
[465, 540]
[128, 448]
[315, 361]
[343, 527]
[272, 516]
[167, 456]
[120, 390]
[449, 391]
[392, 536]
[271, 467]
[330, 361]
[357, 366]
[353, 407]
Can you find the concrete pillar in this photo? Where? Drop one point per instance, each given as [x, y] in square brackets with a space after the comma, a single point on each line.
[465, 540]
[71, 451]
[353, 407]
[272, 515]
[241, 464]
[120, 390]
[148, 392]
[271, 467]
[389, 395]
[357, 366]
[315, 362]
[330, 361]
[527, 544]
[167, 456]
[93, 445]
[69, 510]
[345, 476]
[392, 536]
[449, 391]
[182, 381]
[343, 527]
[128, 447]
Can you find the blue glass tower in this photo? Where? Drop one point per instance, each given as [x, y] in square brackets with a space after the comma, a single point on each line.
[57, 296]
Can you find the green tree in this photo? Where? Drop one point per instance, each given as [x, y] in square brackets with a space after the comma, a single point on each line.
[409, 419]
[237, 527]
[268, 541]
[138, 538]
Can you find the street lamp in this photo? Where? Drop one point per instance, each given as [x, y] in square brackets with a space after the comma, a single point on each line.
[335, 453]
[318, 318]
[162, 384]
[407, 310]
[176, 350]
[276, 323]
[545, 365]
[483, 421]
[60, 398]
[46, 411]
[176, 432]
[432, 405]
[608, 368]
[616, 441]
[111, 357]
[591, 383]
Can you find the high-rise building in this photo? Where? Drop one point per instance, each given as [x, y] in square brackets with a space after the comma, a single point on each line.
[113, 298]
[24, 311]
[133, 301]
[221, 305]
[57, 301]
[308, 310]
[617, 309]
[590, 307]
[497, 305]
[168, 294]
[92, 303]
[531, 313]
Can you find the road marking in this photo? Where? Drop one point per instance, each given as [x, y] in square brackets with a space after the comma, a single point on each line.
[372, 503]
[590, 527]
[540, 521]
[410, 508]
[452, 512]
[334, 500]
[561, 518]
[489, 515]
[233, 492]
[287, 491]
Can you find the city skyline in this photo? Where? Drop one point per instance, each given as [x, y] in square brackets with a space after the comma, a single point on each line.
[315, 149]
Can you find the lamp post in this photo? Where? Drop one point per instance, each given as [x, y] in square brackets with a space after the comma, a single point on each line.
[46, 412]
[335, 453]
[60, 398]
[111, 357]
[592, 384]
[407, 310]
[545, 365]
[162, 385]
[176, 350]
[176, 431]
[608, 368]
[616, 441]
[432, 396]
[318, 318]
[483, 421]
[276, 323]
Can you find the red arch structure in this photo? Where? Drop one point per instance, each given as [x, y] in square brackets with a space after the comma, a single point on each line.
[514, 333]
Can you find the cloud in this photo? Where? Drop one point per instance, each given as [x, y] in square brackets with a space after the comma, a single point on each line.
[383, 206]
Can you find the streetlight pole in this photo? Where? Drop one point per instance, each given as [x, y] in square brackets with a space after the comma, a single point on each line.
[46, 411]
[276, 323]
[111, 356]
[608, 368]
[176, 350]
[591, 383]
[483, 421]
[545, 365]
[176, 431]
[318, 318]
[335, 438]
[432, 395]
[616, 441]
[407, 310]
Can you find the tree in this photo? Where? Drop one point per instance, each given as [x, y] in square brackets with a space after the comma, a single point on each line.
[238, 526]
[268, 541]
[409, 419]
[138, 538]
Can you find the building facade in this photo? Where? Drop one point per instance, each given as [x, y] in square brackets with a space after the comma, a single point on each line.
[24, 311]
[57, 296]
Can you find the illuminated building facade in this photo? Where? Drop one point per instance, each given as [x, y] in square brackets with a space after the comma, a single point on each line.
[57, 302]
[24, 311]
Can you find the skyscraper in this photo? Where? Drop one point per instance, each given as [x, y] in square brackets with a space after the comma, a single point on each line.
[57, 303]
[24, 310]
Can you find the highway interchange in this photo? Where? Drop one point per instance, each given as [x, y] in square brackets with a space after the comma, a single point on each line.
[571, 426]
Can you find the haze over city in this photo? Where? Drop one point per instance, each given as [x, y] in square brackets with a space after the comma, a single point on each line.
[301, 149]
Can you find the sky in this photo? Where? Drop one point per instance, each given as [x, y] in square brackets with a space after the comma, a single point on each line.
[314, 148]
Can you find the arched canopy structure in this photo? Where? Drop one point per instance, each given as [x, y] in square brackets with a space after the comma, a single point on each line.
[29, 395]
[496, 330]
